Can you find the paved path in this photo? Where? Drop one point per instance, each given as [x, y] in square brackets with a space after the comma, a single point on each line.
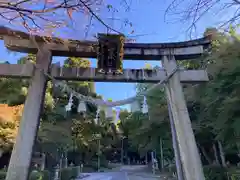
[106, 176]
[139, 172]
[135, 172]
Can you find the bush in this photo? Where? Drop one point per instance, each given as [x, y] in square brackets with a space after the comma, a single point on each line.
[93, 165]
[75, 171]
[38, 175]
[46, 175]
[69, 173]
[88, 169]
[234, 174]
[3, 175]
[215, 172]
[35, 175]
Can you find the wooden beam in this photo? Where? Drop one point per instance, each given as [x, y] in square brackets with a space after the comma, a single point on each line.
[87, 49]
[91, 74]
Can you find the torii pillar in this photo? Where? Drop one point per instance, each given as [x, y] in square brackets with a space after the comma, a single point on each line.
[20, 161]
[190, 158]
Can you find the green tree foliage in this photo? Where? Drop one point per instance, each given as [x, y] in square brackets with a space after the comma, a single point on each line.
[59, 131]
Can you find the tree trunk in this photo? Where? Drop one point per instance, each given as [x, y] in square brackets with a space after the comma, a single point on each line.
[237, 144]
[205, 155]
[65, 160]
[238, 148]
[61, 162]
[222, 155]
[1, 152]
[215, 154]
[146, 158]
[152, 158]
[161, 154]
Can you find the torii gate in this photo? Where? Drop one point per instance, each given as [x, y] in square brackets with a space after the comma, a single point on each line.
[168, 52]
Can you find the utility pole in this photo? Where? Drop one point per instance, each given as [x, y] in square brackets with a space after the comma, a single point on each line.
[99, 144]
[146, 158]
[99, 155]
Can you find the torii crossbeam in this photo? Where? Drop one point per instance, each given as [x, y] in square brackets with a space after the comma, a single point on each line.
[168, 52]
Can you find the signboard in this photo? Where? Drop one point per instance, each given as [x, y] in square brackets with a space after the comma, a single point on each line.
[110, 53]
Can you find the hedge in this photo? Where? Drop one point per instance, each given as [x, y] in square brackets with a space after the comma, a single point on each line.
[216, 172]
[2, 175]
[34, 175]
[69, 173]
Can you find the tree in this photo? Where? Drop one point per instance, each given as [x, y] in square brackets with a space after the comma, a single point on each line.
[47, 16]
[213, 106]
[9, 123]
[55, 132]
[190, 13]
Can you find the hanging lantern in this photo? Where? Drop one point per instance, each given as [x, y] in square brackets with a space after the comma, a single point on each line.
[143, 74]
[110, 53]
[108, 112]
[70, 98]
[135, 106]
[81, 107]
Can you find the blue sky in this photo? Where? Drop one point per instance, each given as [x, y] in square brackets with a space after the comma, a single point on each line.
[147, 18]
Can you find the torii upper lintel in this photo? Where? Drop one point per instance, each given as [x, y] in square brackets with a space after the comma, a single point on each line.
[21, 42]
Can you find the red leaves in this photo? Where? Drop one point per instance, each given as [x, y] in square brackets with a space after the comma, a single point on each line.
[50, 1]
[69, 12]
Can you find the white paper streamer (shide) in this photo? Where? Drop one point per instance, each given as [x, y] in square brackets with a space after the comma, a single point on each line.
[144, 105]
[68, 107]
[108, 112]
[97, 118]
[81, 107]
[135, 106]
